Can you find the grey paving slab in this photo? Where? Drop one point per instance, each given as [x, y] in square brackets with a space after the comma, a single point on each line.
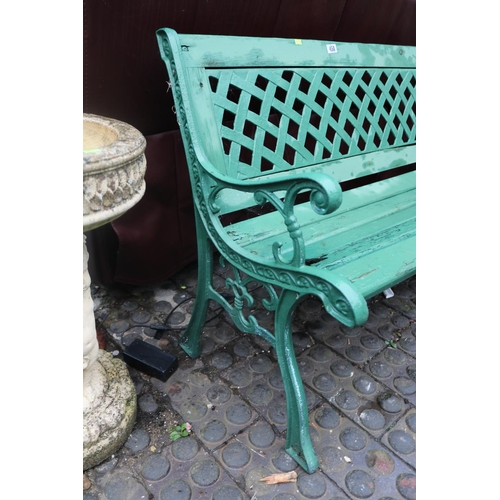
[353, 392]
[401, 439]
[395, 368]
[259, 382]
[352, 458]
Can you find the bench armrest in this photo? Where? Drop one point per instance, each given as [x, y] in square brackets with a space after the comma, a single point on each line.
[281, 191]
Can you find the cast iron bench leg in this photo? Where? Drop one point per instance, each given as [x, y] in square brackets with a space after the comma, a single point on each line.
[191, 339]
[298, 440]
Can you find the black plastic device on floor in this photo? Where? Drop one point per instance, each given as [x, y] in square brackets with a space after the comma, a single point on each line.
[150, 359]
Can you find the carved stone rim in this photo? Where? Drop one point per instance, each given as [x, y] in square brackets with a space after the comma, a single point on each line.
[114, 165]
[129, 145]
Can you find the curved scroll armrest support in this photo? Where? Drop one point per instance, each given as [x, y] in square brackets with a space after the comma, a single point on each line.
[326, 193]
[325, 197]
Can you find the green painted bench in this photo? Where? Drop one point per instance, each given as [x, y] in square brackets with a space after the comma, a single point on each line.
[317, 139]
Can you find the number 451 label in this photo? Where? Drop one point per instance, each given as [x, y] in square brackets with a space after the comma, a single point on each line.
[331, 48]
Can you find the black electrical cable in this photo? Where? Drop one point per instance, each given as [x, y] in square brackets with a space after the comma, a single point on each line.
[164, 327]
[161, 328]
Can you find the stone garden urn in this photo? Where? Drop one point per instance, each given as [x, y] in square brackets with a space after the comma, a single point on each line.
[114, 165]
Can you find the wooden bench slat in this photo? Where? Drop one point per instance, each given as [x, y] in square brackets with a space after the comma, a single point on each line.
[350, 251]
[381, 270]
[342, 170]
[380, 230]
[270, 226]
[355, 240]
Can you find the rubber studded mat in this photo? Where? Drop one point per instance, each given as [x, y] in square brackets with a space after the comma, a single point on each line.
[361, 396]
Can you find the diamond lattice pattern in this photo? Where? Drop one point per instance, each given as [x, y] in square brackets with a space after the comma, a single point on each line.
[280, 119]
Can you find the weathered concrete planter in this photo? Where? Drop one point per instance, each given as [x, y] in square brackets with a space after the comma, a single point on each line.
[113, 181]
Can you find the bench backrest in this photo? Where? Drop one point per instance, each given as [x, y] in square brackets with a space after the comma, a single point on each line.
[260, 106]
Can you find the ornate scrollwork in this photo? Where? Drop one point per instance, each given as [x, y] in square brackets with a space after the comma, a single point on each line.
[239, 287]
[241, 296]
[292, 224]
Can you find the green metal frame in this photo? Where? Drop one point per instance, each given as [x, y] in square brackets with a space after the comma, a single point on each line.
[266, 120]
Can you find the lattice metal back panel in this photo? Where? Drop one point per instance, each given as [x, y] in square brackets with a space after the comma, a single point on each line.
[283, 118]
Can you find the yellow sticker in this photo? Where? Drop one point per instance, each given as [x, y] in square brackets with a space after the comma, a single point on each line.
[298, 41]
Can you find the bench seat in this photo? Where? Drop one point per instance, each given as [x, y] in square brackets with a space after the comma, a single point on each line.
[369, 239]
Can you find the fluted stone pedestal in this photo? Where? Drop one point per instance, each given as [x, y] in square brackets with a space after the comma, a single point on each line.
[113, 181]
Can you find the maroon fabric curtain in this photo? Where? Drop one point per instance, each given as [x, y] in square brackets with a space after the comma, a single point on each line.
[125, 79]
